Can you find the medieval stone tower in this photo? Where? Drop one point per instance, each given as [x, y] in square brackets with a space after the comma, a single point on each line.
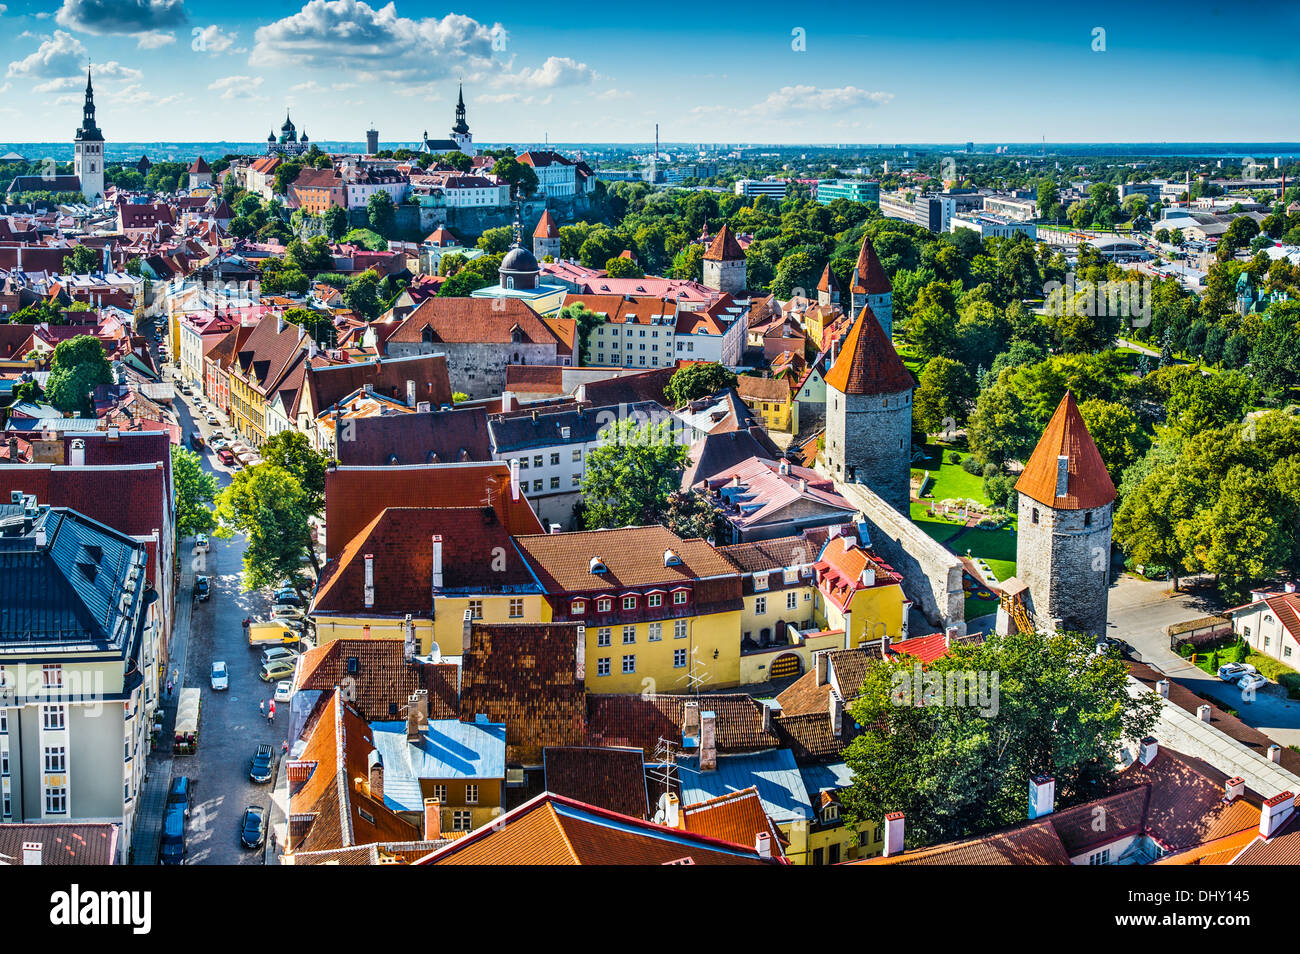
[869, 414]
[88, 149]
[828, 289]
[1063, 540]
[546, 237]
[872, 288]
[724, 263]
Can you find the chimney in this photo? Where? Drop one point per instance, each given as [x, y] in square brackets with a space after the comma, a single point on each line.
[763, 844]
[821, 660]
[708, 741]
[466, 625]
[691, 724]
[78, 458]
[803, 485]
[514, 478]
[1234, 788]
[671, 807]
[31, 853]
[767, 717]
[837, 713]
[893, 834]
[1275, 813]
[437, 561]
[868, 577]
[1062, 475]
[376, 775]
[1162, 688]
[1149, 749]
[370, 580]
[784, 468]
[580, 655]
[13, 450]
[507, 401]
[580, 395]
[885, 642]
[1042, 796]
[417, 714]
[40, 536]
[1275, 753]
[410, 393]
[408, 638]
[432, 819]
[1203, 713]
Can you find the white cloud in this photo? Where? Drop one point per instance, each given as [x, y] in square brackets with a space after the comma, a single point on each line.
[112, 70]
[59, 55]
[557, 71]
[794, 101]
[213, 39]
[137, 95]
[375, 44]
[236, 87]
[110, 17]
[3, 9]
[499, 98]
[154, 39]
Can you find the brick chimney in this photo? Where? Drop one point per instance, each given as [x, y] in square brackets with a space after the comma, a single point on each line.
[437, 561]
[708, 741]
[432, 819]
[893, 834]
[1275, 813]
[375, 766]
[836, 713]
[417, 714]
[32, 853]
[820, 660]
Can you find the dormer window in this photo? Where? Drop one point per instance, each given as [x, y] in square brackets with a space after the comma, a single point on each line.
[831, 813]
[603, 604]
[671, 558]
[597, 565]
[579, 607]
[629, 602]
[679, 597]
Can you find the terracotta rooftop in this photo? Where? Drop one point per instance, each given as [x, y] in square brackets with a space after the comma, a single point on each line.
[641, 720]
[736, 817]
[546, 226]
[378, 677]
[724, 247]
[606, 777]
[867, 362]
[869, 275]
[1087, 484]
[77, 843]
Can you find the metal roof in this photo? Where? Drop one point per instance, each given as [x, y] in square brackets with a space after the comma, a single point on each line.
[448, 749]
[773, 772]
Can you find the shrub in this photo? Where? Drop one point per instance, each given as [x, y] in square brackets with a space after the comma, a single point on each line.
[992, 470]
[1185, 650]
[954, 457]
[972, 467]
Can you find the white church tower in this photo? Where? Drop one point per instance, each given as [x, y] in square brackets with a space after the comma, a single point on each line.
[88, 150]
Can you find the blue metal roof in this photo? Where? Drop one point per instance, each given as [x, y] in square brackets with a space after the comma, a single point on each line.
[820, 778]
[448, 749]
[774, 773]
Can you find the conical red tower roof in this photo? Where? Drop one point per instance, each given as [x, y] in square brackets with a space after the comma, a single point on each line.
[869, 276]
[868, 363]
[546, 227]
[1087, 484]
[725, 248]
[828, 282]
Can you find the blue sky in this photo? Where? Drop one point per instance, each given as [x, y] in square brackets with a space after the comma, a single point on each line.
[204, 70]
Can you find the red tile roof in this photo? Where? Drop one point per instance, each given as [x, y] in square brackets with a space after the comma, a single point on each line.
[610, 778]
[724, 247]
[1088, 484]
[736, 817]
[867, 362]
[869, 275]
[474, 321]
[546, 226]
[378, 677]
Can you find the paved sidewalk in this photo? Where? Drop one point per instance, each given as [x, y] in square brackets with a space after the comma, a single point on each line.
[158, 770]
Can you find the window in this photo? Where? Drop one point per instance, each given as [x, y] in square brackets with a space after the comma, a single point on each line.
[629, 602]
[440, 793]
[791, 600]
[555, 459]
[629, 635]
[603, 604]
[1286, 651]
[602, 666]
[760, 605]
[56, 800]
[603, 636]
[4, 763]
[629, 664]
[1087, 520]
[760, 581]
[831, 814]
[1099, 857]
[579, 607]
[656, 599]
[6, 806]
[537, 486]
[461, 820]
[576, 480]
[4, 722]
[516, 609]
[476, 609]
[679, 629]
[537, 460]
[471, 794]
[523, 463]
[679, 597]
[1034, 517]
[656, 632]
[555, 483]
[52, 676]
[56, 758]
[679, 659]
[834, 856]
[54, 717]
[577, 454]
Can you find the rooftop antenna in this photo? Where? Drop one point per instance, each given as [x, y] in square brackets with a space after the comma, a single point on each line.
[664, 769]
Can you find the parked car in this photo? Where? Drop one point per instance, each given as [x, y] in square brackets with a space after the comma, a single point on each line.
[1252, 681]
[279, 652]
[287, 598]
[211, 418]
[286, 611]
[171, 849]
[277, 670]
[202, 589]
[1231, 672]
[252, 829]
[220, 675]
[201, 543]
[283, 691]
[217, 443]
[226, 457]
[261, 767]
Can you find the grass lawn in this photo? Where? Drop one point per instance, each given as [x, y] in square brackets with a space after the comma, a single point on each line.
[996, 547]
[950, 480]
[939, 530]
[977, 608]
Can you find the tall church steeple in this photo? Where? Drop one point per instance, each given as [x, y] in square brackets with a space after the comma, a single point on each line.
[461, 126]
[88, 148]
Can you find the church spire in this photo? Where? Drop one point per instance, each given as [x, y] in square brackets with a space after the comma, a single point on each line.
[89, 131]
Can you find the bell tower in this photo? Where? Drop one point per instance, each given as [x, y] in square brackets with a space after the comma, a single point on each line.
[88, 149]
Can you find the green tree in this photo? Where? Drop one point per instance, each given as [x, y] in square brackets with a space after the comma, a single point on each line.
[943, 397]
[317, 324]
[497, 239]
[520, 176]
[336, 222]
[285, 174]
[362, 295]
[693, 381]
[619, 267]
[268, 505]
[83, 260]
[77, 367]
[694, 515]
[630, 476]
[958, 768]
[381, 214]
[195, 490]
[1117, 432]
[291, 451]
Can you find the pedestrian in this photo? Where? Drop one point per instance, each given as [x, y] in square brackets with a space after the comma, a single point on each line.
[261, 706]
[176, 675]
[169, 688]
[270, 711]
[284, 746]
